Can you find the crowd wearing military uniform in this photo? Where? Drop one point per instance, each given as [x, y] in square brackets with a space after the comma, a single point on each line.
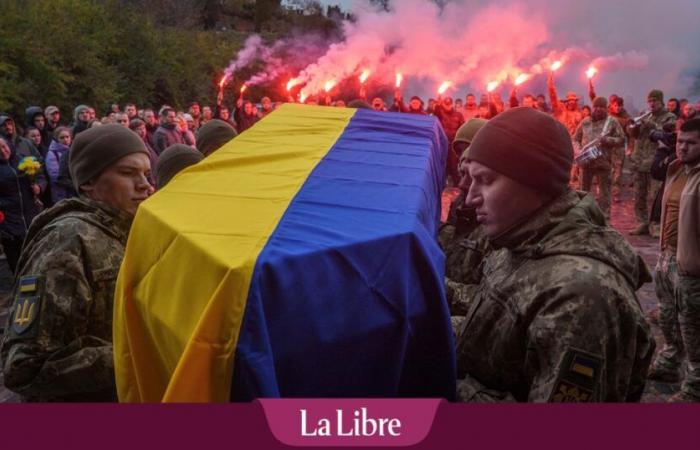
[541, 289]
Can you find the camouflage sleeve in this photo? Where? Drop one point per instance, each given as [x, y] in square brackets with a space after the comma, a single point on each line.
[49, 352]
[581, 346]
[616, 135]
[459, 296]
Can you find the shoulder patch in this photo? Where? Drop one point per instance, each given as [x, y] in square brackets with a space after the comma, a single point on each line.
[27, 303]
[578, 377]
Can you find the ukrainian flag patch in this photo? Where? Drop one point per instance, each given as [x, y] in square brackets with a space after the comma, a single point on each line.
[578, 377]
[28, 285]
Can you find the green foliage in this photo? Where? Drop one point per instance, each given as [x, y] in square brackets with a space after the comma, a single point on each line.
[68, 52]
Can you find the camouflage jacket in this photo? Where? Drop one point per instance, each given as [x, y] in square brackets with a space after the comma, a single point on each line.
[556, 317]
[644, 148]
[465, 245]
[58, 343]
[589, 130]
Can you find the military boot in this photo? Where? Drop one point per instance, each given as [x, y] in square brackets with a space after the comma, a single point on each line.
[641, 230]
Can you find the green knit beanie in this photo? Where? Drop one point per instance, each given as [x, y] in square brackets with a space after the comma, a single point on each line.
[213, 135]
[95, 149]
[656, 95]
[600, 102]
[173, 160]
[467, 132]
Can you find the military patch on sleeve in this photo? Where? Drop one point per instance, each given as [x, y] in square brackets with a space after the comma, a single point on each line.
[578, 377]
[27, 304]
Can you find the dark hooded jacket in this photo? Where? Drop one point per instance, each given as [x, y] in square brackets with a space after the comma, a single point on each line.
[556, 317]
[30, 114]
[16, 199]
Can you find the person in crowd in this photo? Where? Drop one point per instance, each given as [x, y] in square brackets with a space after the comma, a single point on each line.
[567, 112]
[673, 106]
[585, 112]
[206, 115]
[33, 135]
[174, 160]
[666, 366]
[498, 102]
[378, 104]
[92, 115]
[244, 116]
[213, 135]
[542, 104]
[22, 148]
[459, 106]
[168, 133]
[114, 108]
[267, 106]
[658, 119]
[196, 112]
[122, 119]
[471, 108]
[223, 113]
[35, 118]
[431, 106]
[17, 194]
[59, 148]
[58, 345]
[138, 126]
[607, 131]
[555, 317]
[688, 112]
[451, 120]
[339, 104]
[617, 110]
[131, 112]
[53, 117]
[185, 123]
[149, 117]
[81, 119]
[688, 254]
[463, 241]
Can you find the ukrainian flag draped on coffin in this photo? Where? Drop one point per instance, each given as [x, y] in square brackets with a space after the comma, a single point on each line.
[300, 260]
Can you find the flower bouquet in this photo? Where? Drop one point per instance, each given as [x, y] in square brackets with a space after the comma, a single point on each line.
[30, 167]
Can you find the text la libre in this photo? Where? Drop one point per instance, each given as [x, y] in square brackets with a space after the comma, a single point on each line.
[359, 425]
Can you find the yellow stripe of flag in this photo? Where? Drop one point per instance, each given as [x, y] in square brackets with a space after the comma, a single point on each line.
[183, 285]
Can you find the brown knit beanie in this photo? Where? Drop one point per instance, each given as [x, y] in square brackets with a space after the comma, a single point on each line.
[213, 135]
[359, 104]
[173, 160]
[97, 148]
[527, 146]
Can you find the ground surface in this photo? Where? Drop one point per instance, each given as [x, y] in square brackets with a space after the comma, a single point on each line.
[622, 219]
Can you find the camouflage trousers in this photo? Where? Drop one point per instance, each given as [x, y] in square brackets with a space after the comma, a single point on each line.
[688, 300]
[604, 197]
[644, 188]
[666, 282]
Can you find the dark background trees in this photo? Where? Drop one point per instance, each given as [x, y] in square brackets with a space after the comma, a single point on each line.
[150, 52]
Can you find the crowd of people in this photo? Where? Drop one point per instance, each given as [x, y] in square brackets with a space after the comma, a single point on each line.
[535, 276]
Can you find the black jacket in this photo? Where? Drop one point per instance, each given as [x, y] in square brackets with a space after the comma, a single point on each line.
[16, 199]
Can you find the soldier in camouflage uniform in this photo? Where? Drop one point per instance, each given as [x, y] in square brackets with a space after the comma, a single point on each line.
[567, 112]
[556, 317]
[58, 343]
[604, 127]
[461, 238]
[643, 156]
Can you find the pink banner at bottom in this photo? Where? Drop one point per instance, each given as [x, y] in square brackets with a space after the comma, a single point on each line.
[350, 422]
